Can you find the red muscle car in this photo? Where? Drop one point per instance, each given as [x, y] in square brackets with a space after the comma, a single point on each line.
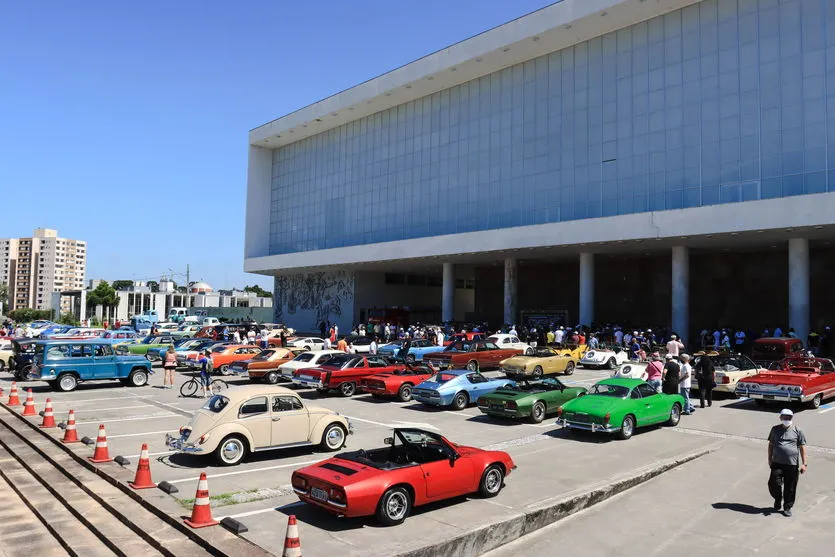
[397, 383]
[798, 379]
[343, 372]
[417, 467]
[474, 355]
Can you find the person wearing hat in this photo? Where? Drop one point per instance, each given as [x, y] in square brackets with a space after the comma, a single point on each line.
[671, 374]
[654, 371]
[787, 460]
[705, 375]
[684, 383]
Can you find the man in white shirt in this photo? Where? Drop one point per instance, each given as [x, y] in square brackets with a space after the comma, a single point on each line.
[674, 347]
[559, 335]
[440, 338]
[326, 344]
[684, 383]
[372, 348]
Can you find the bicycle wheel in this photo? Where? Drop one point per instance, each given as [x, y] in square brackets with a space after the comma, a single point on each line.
[219, 385]
[188, 388]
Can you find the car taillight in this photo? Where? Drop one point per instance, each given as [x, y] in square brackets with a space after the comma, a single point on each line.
[482, 402]
[337, 495]
[204, 438]
[511, 405]
[726, 380]
[559, 412]
[606, 418]
[299, 482]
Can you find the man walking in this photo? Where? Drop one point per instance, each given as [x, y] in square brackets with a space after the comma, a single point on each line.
[705, 375]
[787, 460]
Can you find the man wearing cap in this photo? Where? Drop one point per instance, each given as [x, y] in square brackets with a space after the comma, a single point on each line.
[787, 460]
[654, 371]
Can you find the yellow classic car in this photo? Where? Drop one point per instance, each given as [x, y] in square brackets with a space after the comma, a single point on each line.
[255, 418]
[544, 361]
[576, 352]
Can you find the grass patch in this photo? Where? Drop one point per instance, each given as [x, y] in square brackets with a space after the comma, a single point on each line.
[237, 497]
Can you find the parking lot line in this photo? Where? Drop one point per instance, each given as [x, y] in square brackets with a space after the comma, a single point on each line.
[141, 434]
[370, 422]
[146, 417]
[70, 402]
[119, 408]
[262, 511]
[150, 454]
[239, 472]
[827, 410]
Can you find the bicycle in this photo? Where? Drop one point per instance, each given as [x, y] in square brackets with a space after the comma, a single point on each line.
[190, 387]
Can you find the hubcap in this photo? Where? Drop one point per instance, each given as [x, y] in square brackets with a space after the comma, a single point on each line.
[537, 411]
[493, 481]
[460, 401]
[407, 391]
[232, 450]
[675, 414]
[335, 437]
[396, 506]
[627, 426]
[347, 389]
[139, 379]
[272, 377]
[67, 383]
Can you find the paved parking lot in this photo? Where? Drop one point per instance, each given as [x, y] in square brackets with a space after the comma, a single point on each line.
[551, 463]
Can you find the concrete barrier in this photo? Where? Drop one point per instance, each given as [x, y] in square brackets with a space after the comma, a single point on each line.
[491, 536]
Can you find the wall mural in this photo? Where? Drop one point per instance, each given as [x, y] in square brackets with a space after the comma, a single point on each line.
[324, 296]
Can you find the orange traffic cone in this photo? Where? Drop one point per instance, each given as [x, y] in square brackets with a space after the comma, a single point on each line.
[14, 399]
[201, 512]
[48, 416]
[143, 480]
[100, 454]
[292, 544]
[70, 434]
[29, 405]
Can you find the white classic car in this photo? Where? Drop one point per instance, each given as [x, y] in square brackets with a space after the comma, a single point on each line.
[505, 341]
[604, 357]
[729, 369]
[632, 370]
[308, 343]
[257, 418]
[306, 359]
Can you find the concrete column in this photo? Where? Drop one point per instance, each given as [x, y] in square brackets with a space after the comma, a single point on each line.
[448, 294]
[799, 287]
[681, 293]
[510, 289]
[586, 289]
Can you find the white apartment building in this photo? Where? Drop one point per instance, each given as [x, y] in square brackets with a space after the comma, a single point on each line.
[36, 267]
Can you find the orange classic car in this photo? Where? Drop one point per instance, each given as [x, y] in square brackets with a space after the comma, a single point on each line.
[474, 355]
[223, 356]
[264, 366]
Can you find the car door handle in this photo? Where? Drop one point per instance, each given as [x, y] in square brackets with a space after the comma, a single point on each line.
[276, 419]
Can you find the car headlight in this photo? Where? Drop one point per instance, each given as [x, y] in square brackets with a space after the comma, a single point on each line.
[742, 385]
[797, 389]
[783, 388]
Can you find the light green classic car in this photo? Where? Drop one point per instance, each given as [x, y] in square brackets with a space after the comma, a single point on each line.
[619, 405]
[148, 346]
[528, 399]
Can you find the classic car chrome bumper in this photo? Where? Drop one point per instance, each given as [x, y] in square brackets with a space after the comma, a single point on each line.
[316, 384]
[307, 496]
[759, 395]
[179, 445]
[587, 426]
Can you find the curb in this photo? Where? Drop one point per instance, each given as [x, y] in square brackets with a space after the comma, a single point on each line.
[212, 542]
[492, 536]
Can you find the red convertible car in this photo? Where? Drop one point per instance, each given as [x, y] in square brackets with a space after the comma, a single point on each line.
[343, 372]
[416, 468]
[474, 355]
[398, 383]
[798, 379]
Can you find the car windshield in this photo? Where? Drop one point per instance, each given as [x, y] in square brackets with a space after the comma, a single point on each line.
[216, 404]
[149, 340]
[605, 389]
[306, 357]
[544, 353]
[341, 360]
[220, 348]
[442, 377]
[460, 346]
[263, 356]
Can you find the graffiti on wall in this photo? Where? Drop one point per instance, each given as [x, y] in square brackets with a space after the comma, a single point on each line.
[322, 294]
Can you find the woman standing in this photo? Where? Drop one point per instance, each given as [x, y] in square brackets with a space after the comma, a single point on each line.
[169, 364]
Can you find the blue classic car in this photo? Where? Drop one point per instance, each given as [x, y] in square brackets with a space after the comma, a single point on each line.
[419, 347]
[65, 363]
[456, 388]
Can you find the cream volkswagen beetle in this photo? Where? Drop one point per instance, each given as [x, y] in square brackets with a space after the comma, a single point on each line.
[257, 418]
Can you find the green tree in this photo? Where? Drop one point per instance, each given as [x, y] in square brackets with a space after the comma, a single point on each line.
[27, 315]
[68, 319]
[103, 295]
[4, 296]
[153, 285]
[122, 284]
[258, 291]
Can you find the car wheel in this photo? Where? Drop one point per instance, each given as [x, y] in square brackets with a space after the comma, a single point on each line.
[138, 378]
[307, 347]
[537, 372]
[816, 401]
[231, 451]
[460, 401]
[612, 363]
[627, 428]
[538, 412]
[472, 365]
[675, 415]
[404, 394]
[394, 506]
[348, 388]
[410, 358]
[224, 369]
[149, 357]
[529, 351]
[333, 438]
[569, 368]
[67, 382]
[492, 481]
[271, 378]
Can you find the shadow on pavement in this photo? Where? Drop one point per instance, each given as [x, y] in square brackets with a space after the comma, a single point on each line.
[744, 508]
[183, 460]
[766, 407]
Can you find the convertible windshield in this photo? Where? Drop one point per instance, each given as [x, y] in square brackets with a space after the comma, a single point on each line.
[216, 404]
[604, 389]
[544, 353]
[442, 377]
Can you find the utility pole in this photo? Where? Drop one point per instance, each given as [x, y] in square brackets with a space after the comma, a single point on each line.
[188, 283]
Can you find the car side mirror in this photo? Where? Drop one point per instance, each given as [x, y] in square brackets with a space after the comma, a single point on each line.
[389, 440]
[453, 457]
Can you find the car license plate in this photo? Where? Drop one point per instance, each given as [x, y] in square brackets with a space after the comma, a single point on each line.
[768, 396]
[319, 494]
[306, 378]
[584, 418]
[496, 407]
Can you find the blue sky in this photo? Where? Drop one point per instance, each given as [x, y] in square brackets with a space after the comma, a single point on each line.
[125, 123]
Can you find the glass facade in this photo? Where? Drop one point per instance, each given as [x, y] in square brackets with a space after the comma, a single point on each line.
[720, 102]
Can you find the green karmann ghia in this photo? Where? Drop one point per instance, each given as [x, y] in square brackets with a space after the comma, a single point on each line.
[619, 405]
[528, 399]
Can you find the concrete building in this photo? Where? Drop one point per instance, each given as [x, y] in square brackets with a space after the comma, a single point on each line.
[663, 162]
[35, 268]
